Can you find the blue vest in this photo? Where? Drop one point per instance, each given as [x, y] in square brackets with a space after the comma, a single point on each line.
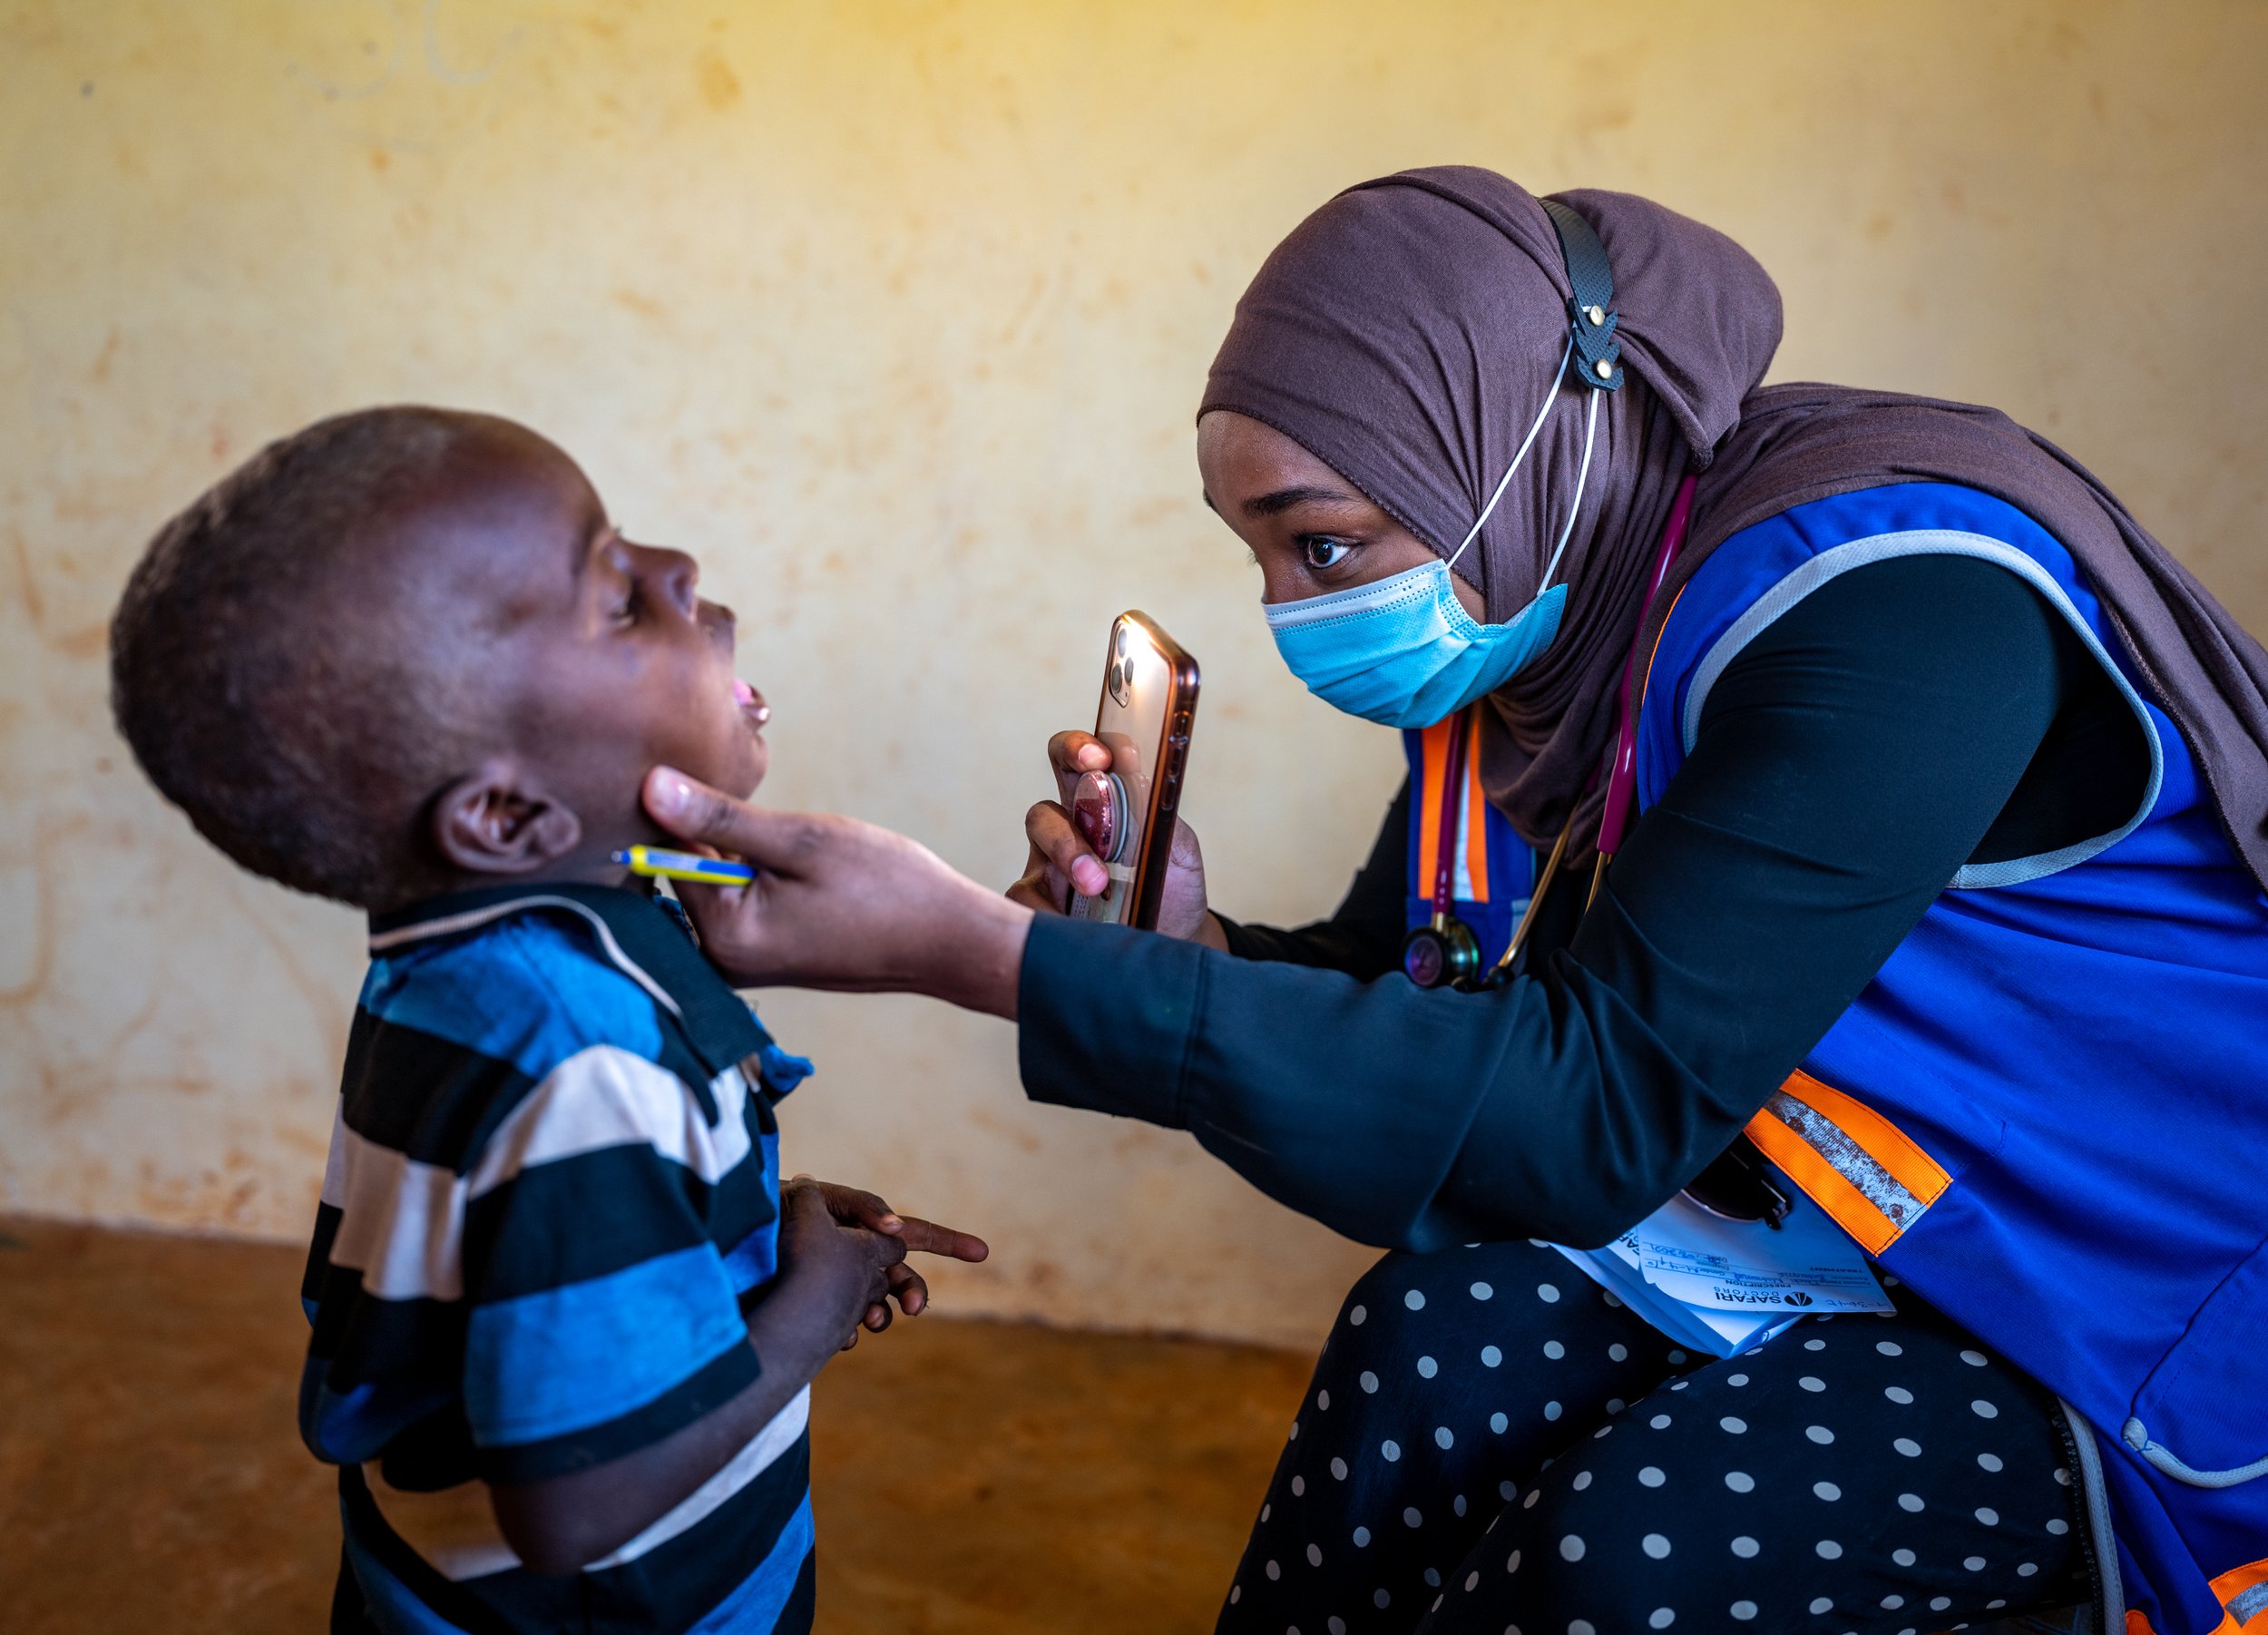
[2048, 1111]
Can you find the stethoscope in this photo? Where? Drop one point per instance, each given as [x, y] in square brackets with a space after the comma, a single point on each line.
[1738, 1184]
[1445, 953]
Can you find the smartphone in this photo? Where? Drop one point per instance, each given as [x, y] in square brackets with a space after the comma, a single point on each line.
[1149, 700]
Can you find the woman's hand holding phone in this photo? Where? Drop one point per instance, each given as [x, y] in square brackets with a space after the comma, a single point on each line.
[1061, 861]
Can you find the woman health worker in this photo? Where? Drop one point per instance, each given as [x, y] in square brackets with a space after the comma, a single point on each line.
[1942, 906]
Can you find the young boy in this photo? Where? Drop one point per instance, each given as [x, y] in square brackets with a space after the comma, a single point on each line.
[403, 659]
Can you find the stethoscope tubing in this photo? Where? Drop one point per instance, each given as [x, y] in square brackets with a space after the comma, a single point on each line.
[1614, 818]
[1453, 807]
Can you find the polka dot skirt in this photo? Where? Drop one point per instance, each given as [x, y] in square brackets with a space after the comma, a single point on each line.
[1491, 1445]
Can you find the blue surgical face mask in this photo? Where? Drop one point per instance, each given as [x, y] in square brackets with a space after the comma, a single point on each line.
[1403, 650]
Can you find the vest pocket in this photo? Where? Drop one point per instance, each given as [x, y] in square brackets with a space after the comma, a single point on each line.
[2202, 1417]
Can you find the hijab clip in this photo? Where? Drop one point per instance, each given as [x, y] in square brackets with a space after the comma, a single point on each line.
[1591, 304]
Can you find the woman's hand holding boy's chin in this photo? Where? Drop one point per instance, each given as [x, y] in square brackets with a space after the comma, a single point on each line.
[840, 904]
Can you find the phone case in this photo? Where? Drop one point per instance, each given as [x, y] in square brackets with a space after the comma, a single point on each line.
[1148, 704]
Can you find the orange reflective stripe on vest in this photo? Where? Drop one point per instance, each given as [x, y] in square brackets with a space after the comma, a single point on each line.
[2244, 1590]
[1434, 742]
[1868, 1174]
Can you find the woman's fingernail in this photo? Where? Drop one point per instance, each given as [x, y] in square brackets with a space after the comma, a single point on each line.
[890, 1223]
[1092, 881]
[670, 792]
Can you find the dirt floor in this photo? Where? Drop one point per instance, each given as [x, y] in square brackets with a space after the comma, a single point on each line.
[969, 1476]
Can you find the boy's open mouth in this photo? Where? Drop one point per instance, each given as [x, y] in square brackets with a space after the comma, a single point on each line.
[751, 702]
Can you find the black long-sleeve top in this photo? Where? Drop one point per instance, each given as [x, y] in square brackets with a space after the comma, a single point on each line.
[1905, 719]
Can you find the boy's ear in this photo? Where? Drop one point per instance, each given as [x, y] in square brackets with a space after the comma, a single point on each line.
[493, 821]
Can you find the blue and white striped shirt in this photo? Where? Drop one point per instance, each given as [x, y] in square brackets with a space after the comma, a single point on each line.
[552, 1195]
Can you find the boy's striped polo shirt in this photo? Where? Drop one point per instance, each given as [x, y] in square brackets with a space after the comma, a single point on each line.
[552, 1194]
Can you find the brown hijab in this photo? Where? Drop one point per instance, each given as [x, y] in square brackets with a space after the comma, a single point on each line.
[1406, 332]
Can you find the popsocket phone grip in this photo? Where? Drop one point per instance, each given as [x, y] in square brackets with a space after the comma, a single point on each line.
[1098, 811]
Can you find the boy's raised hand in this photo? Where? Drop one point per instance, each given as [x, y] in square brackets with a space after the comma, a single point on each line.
[853, 1207]
[841, 1262]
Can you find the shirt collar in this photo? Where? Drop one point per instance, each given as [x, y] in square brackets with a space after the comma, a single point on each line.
[638, 937]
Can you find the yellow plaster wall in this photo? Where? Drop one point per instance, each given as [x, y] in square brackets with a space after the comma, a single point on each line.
[896, 313]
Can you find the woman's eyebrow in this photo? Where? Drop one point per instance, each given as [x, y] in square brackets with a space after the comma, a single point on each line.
[1284, 499]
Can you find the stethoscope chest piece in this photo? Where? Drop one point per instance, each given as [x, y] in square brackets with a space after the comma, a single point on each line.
[1442, 954]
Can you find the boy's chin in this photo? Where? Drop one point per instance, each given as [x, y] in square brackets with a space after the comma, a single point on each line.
[734, 765]
[749, 775]
[736, 769]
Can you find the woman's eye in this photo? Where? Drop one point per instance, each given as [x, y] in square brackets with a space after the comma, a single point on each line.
[1320, 554]
[626, 609]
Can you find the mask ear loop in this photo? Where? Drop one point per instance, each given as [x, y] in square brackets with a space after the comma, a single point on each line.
[1550, 396]
[1582, 475]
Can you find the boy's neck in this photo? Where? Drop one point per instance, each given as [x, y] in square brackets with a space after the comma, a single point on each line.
[585, 866]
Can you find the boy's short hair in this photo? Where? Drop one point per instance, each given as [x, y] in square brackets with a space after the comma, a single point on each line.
[275, 717]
